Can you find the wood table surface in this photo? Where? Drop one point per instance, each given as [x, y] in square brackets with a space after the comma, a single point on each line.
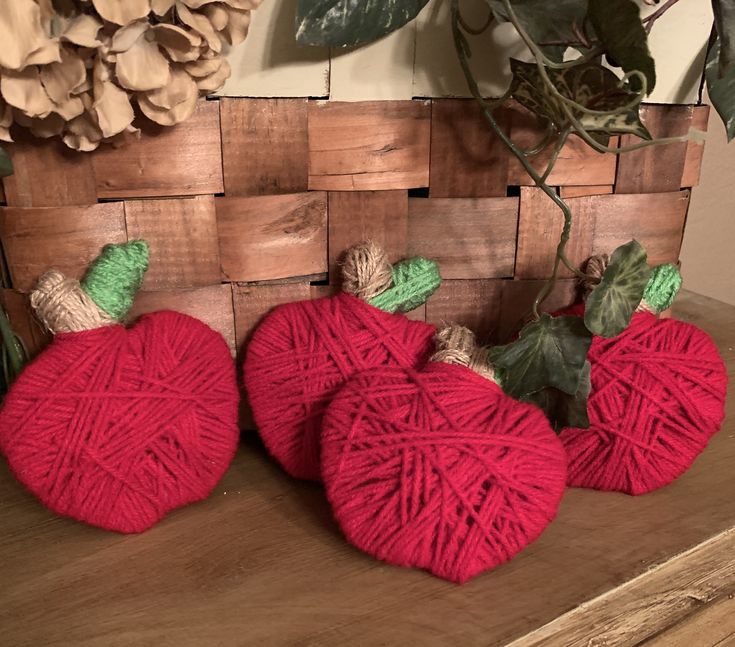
[262, 563]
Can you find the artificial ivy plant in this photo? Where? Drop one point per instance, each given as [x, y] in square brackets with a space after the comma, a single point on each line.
[590, 70]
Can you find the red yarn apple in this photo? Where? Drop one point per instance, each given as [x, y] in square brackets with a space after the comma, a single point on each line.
[303, 352]
[657, 396]
[439, 469]
[113, 426]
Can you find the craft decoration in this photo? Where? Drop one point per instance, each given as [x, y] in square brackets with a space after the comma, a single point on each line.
[303, 352]
[117, 426]
[439, 469]
[77, 68]
[657, 397]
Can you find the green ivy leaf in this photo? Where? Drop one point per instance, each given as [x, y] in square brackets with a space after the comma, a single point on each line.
[550, 352]
[543, 25]
[721, 89]
[724, 11]
[562, 409]
[590, 85]
[612, 303]
[341, 23]
[6, 165]
[618, 25]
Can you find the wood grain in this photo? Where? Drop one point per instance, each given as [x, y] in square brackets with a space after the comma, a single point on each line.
[382, 145]
[48, 174]
[638, 610]
[380, 216]
[470, 238]
[655, 169]
[265, 146]
[267, 546]
[579, 191]
[211, 304]
[539, 227]
[656, 220]
[273, 237]
[185, 159]
[66, 238]
[475, 304]
[577, 164]
[467, 159]
[695, 149]
[182, 235]
[253, 302]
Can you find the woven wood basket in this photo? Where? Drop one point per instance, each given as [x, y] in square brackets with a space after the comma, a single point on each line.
[251, 203]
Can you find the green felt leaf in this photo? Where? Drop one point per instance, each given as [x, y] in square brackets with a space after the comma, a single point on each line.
[721, 89]
[590, 85]
[612, 303]
[618, 25]
[724, 11]
[6, 165]
[545, 25]
[562, 409]
[550, 352]
[414, 281]
[341, 23]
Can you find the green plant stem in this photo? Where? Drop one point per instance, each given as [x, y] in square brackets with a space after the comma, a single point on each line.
[561, 140]
[568, 105]
[462, 48]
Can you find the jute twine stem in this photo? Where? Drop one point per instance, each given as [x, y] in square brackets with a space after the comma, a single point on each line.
[366, 271]
[457, 345]
[62, 306]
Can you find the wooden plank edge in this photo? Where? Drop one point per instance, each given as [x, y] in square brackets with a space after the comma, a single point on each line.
[648, 604]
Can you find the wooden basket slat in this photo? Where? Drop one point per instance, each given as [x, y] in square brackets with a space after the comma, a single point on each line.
[655, 169]
[25, 325]
[182, 234]
[695, 149]
[470, 238]
[656, 220]
[381, 145]
[538, 236]
[355, 216]
[185, 159]
[265, 146]
[577, 164]
[467, 159]
[48, 174]
[578, 191]
[66, 238]
[211, 304]
[273, 237]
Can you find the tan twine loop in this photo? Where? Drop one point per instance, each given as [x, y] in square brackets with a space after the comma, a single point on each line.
[366, 271]
[62, 306]
[595, 267]
[457, 345]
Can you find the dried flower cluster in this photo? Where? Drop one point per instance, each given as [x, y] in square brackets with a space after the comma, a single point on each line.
[76, 68]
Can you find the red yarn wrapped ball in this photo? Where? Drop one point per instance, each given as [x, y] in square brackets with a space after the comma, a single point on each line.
[439, 469]
[304, 352]
[115, 427]
[658, 395]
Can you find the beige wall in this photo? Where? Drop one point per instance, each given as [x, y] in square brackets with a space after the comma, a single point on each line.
[708, 252]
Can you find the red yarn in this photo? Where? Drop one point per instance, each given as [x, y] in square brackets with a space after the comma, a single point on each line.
[116, 427]
[439, 469]
[658, 395]
[304, 352]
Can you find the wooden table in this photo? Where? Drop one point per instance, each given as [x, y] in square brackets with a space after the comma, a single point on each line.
[262, 563]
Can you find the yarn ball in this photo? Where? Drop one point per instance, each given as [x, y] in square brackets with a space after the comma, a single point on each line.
[658, 395]
[115, 427]
[303, 352]
[439, 469]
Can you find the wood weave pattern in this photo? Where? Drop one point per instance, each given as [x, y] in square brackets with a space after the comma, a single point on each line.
[252, 202]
